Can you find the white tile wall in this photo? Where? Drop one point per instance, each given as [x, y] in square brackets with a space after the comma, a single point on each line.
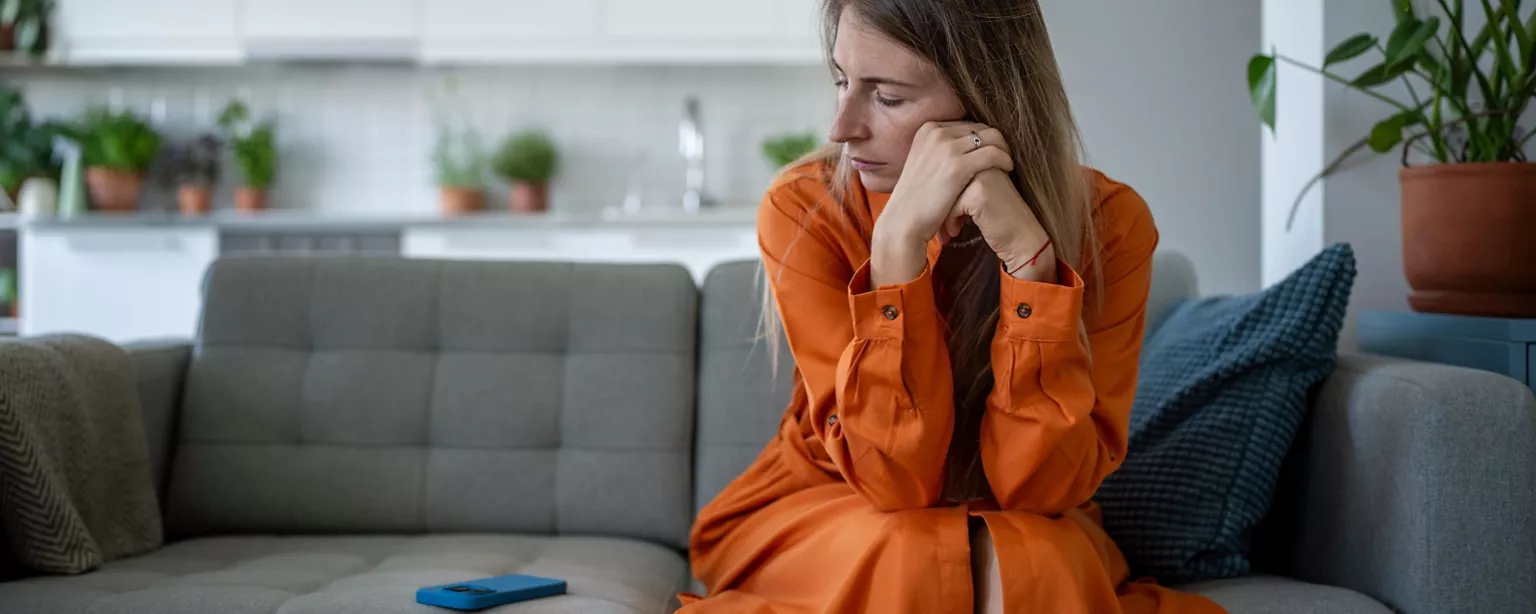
[357, 139]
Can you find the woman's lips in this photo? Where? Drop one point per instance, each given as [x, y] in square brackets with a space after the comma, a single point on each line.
[861, 164]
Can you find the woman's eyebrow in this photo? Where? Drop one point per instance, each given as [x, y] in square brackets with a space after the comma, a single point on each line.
[878, 80]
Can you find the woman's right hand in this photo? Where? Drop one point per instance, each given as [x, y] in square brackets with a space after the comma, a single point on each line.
[943, 160]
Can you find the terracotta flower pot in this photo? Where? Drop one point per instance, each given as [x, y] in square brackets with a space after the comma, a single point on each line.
[530, 197]
[459, 201]
[114, 191]
[1467, 242]
[195, 200]
[250, 200]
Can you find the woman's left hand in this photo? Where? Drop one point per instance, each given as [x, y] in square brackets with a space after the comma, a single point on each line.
[1008, 225]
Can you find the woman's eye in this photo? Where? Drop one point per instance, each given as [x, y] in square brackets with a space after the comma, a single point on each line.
[840, 83]
[889, 102]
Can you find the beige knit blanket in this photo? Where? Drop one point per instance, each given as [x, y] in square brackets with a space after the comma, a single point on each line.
[76, 488]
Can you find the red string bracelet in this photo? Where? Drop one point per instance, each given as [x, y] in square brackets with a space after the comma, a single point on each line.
[1035, 259]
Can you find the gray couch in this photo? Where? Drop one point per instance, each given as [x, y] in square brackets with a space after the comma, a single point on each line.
[343, 431]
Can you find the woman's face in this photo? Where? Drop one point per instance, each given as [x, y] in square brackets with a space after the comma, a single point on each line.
[884, 94]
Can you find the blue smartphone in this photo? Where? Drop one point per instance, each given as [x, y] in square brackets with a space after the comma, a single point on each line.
[489, 592]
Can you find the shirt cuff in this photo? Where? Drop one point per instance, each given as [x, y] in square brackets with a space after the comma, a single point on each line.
[894, 311]
[1041, 311]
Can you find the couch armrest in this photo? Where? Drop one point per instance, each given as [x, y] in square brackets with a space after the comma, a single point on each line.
[1419, 487]
[162, 370]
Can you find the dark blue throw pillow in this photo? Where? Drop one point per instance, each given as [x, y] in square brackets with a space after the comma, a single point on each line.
[1222, 393]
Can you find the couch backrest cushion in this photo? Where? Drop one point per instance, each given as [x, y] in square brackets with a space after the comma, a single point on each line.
[394, 395]
[740, 399]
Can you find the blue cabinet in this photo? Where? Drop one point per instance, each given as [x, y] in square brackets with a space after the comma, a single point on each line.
[1500, 345]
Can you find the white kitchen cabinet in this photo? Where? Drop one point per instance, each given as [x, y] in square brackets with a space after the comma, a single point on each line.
[620, 31]
[122, 284]
[331, 29]
[698, 249]
[494, 30]
[149, 31]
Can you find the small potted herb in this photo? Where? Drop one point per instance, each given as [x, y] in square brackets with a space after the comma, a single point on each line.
[26, 146]
[782, 150]
[459, 162]
[24, 25]
[193, 169]
[528, 160]
[8, 290]
[118, 148]
[255, 150]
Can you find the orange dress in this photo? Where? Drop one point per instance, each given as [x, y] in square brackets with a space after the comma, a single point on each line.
[841, 512]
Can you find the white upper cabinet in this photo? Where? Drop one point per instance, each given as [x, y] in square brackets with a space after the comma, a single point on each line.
[620, 31]
[441, 31]
[149, 31]
[508, 30]
[331, 29]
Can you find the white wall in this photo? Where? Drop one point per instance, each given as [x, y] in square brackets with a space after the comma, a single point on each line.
[1159, 91]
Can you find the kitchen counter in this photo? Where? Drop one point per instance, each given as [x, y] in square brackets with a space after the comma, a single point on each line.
[289, 220]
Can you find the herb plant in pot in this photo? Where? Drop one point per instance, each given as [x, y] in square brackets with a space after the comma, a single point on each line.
[782, 150]
[459, 162]
[24, 25]
[528, 160]
[193, 169]
[255, 151]
[8, 290]
[26, 146]
[118, 148]
[1468, 212]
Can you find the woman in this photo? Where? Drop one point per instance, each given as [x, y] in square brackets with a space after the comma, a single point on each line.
[965, 305]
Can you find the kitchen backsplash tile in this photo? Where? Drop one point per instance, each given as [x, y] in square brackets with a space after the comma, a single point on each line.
[358, 139]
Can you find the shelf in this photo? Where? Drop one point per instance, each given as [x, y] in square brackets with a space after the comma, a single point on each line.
[17, 61]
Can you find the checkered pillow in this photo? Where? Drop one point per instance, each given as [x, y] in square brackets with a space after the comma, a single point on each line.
[1222, 394]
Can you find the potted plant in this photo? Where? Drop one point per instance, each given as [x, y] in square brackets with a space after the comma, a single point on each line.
[26, 146]
[255, 150]
[782, 150]
[118, 149]
[24, 25]
[528, 160]
[8, 290]
[459, 162]
[1467, 214]
[8, 294]
[193, 169]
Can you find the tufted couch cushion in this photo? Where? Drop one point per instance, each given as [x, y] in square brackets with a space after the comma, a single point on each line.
[354, 395]
[343, 574]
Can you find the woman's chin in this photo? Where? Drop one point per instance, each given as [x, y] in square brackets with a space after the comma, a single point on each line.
[877, 182]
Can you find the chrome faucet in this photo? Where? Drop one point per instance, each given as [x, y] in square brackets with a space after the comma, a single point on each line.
[691, 146]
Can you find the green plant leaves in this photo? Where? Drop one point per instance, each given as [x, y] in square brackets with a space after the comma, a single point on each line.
[1510, 10]
[1408, 40]
[1381, 73]
[1388, 133]
[1350, 49]
[1261, 87]
[529, 156]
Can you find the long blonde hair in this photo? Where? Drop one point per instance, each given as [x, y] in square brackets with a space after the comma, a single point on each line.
[998, 58]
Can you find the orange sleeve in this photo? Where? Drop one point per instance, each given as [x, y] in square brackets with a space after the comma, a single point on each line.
[1058, 418]
[874, 362]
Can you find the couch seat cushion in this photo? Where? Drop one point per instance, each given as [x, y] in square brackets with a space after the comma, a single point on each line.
[1275, 595]
[342, 574]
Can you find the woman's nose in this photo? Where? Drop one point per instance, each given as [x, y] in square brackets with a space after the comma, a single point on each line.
[847, 125]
